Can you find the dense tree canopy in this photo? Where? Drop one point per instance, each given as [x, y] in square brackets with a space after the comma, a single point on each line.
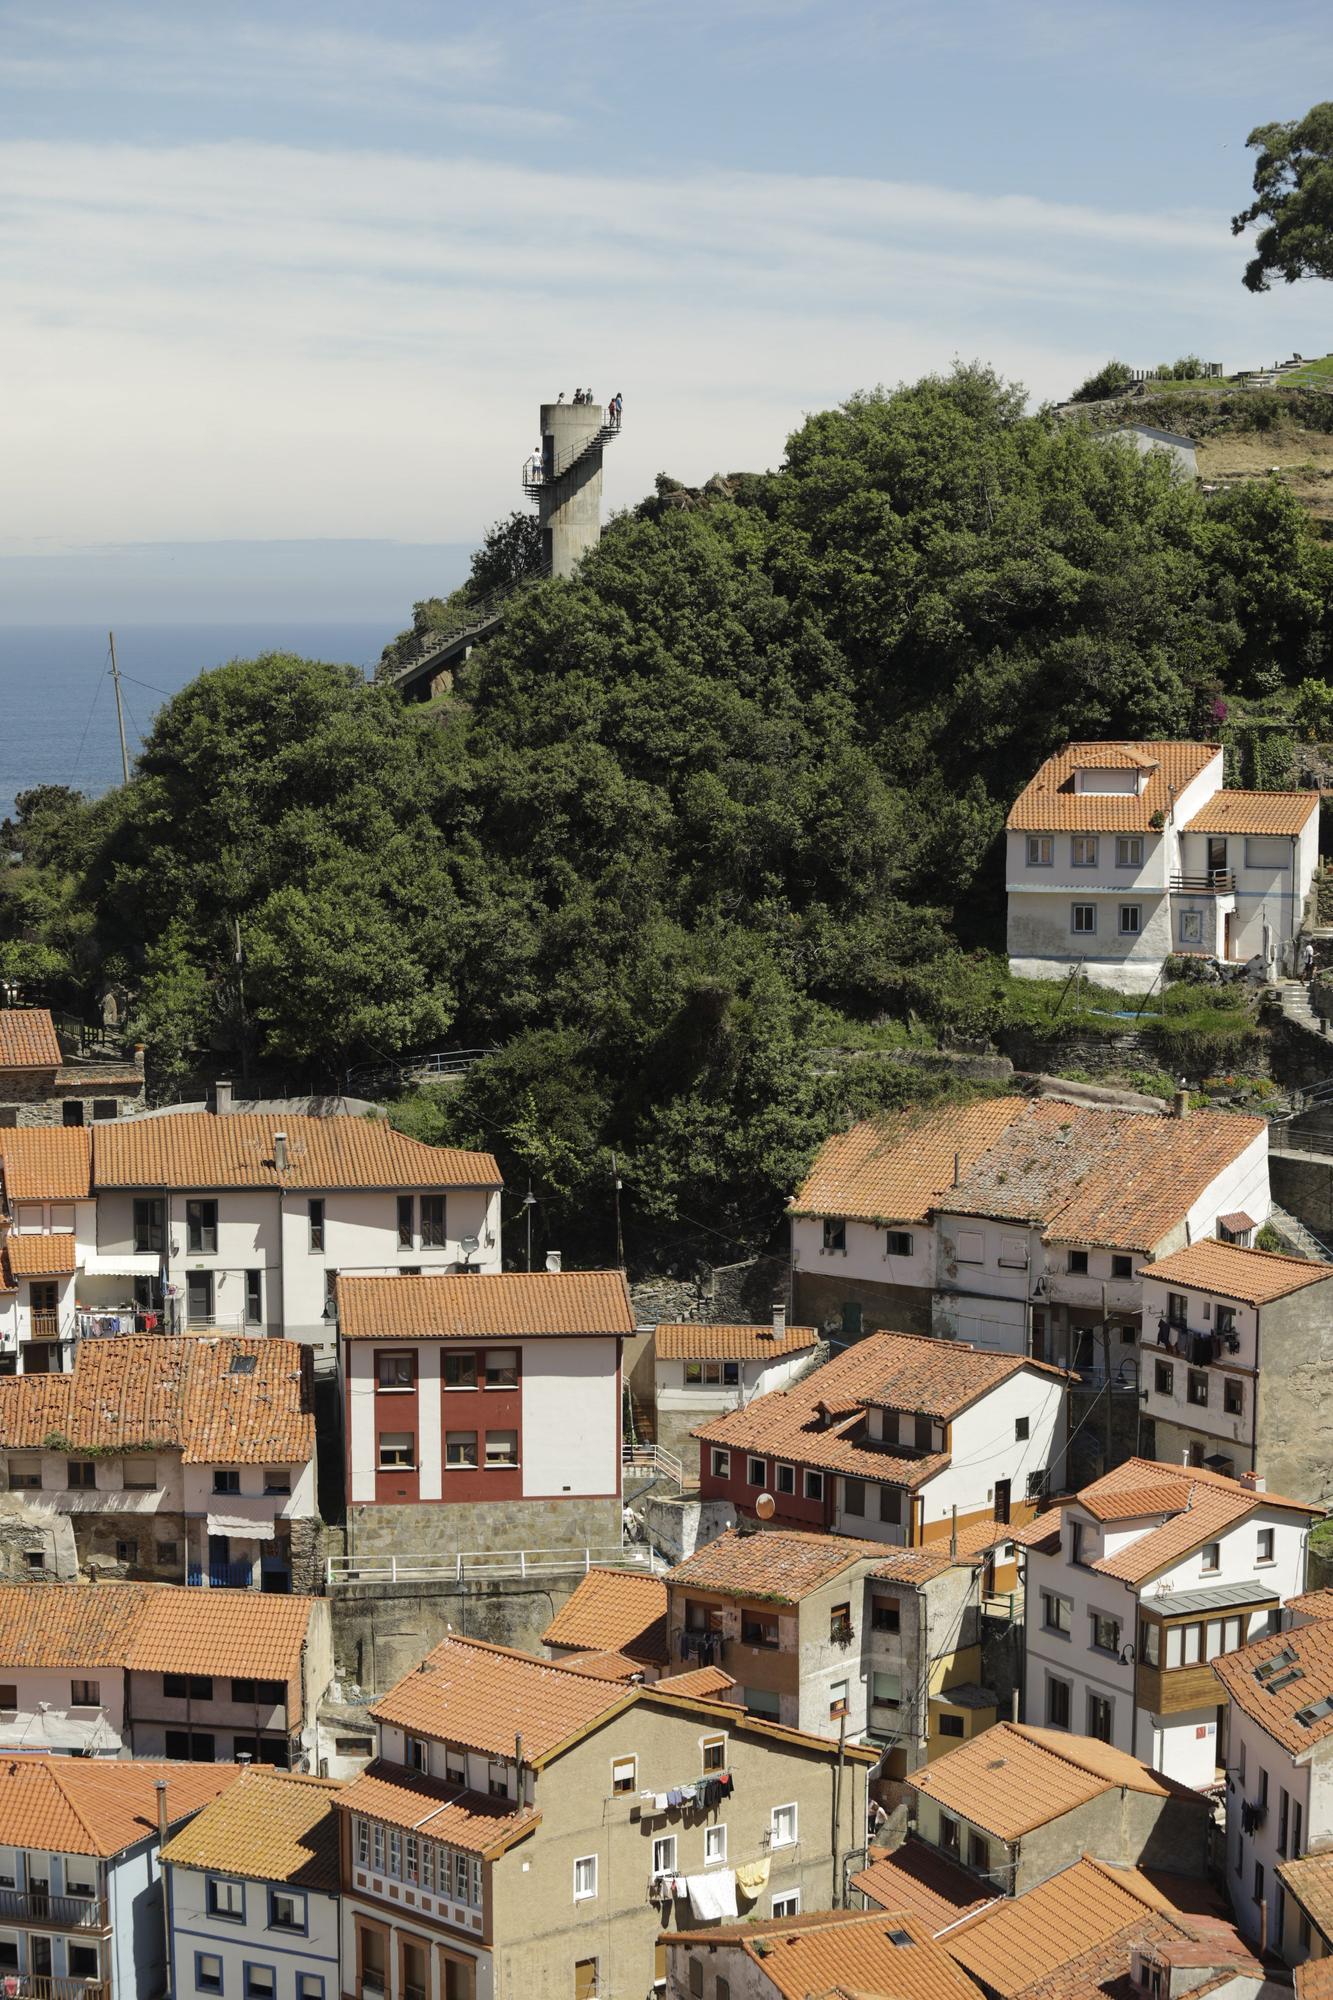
[1293, 200]
[693, 822]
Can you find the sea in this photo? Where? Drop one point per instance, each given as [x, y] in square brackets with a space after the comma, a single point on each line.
[57, 707]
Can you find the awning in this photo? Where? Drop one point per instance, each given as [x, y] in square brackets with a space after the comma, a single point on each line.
[122, 1264]
[246, 1530]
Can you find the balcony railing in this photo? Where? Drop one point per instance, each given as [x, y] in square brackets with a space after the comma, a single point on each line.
[1213, 882]
[705, 1647]
[1200, 1350]
[59, 1913]
[45, 1325]
[219, 1576]
[40, 1986]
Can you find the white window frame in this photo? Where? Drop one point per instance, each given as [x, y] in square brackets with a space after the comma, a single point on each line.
[664, 1845]
[906, 1243]
[813, 1484]
[721, 1464]
[1189, 923]
[774, 1813]
[786, 1903]
[589, 1894]
[1080, 929]
[789, 1490]
[715, 1845]
[762, 1481]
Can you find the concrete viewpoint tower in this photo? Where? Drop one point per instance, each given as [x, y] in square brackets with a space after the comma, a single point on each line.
[567, 482]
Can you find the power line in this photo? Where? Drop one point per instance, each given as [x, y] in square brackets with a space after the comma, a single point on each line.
[84, 738]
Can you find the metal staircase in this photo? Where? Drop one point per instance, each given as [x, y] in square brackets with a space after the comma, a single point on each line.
[535, 480]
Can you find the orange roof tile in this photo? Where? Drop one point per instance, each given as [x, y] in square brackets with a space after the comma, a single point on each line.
[46, 1162]
[79, 1626]
[614, 1610]
[1255, 812]
[925, 1882]
[98, 1805]
[177, 1392]
[32, 1256]
[701, 1340]
[482, 1697]
[602, 1665]
[510, 1305]
[1198, 1505]
[1014, 1777]
[1042, 1531]
[196, 1149]
[1103, 1971]
[246, 1633]
[28, 1039]
[1206, 1516]
[440, 1811]
[896, 1168]
[1023, 1938]
[1255, 1277]
[703, 1681]
[1314, 1979]
[1310, 1881]
[886, 1954]
[915, 1565]
[271, 1826]
[1049, 803]
[1305, 1653]
[1312, 1604]
[928, 1377]
[780, 1564]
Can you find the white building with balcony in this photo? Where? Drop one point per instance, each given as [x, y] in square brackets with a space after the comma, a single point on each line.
[1120, 854]
[1135, 1588]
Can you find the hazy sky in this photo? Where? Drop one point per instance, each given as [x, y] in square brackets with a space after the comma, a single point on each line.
[305, 272]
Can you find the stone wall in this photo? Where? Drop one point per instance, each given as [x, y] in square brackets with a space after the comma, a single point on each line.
[1304, 1187]
[27, 1531]
[719, 1294]
[819, 1300]
[381, 1631]
[677, 1527]
[444, 1529]
[1131, 1436]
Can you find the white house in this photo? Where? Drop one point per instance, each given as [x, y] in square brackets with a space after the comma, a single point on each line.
[702, 1369]
[80, 1872]
[1134, 1590]
[252, 1893]
[1119, 854]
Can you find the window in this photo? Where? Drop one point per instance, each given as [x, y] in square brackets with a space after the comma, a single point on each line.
[891, 1504]
[1211, 1557]
[1013, 1253]
[886, 1690]
[731, 1374]
[715, 1845]
[226, 1479]
[951, 1725]
[721, 1464]
[417, 1753]
[460, 1448]
[1105, 1632]
[664, 1854]
[1041, 850]
[225, 1899]
[923, 1434]
[460, 1371]
[502, 1368]
[168, 1552]
[978, 1852]
[1131, 919]
[149, 1225]
[254, 1298]
[277, 1479]
[758, 1628]
[208, 1972]
[784, 1478]
[853, 1496]
[188, 1687]
[1083, 851]
[502, 1448]
[432, 1222]
[950, 1834]
[82, 1474]
[714, 1749]
[201, 1226]
[1283, 1823]
[1264, 1546]
[1099, 1717]
[315, 1216]
[1083, 919]
[624, 1774]
[126, 1552]
[840, 1624]
[885, 1614]
[1057, 1613]
[407, 1210]
[242, 1364]
[694, 1372]
[1129, 850]
[1224, 1317]
[286, 1912]
[398, 1451]
[1233, 1397]
[261, 1982]
[455, 1767]
[1057, 1702]
[1022, 1429]
[898, 1243]
[1164, 1376]
[782, 1826]
[835, 1236]
[837, 1699]
[970, 1247]
[814, 1485]
[25, 1473]
[140, 1474]
[261, 1694]
[309, 1986]
[585, 1878]
[497, 1781]
[1197, 1387]
[1258, 1881]
[9, 1694]
[787, 1903]
[756, 1471]
[1076, 1531]
[105, 1107]
[1078, 1263]
[85, 1694]
[1191, 926]
[1122, 1267]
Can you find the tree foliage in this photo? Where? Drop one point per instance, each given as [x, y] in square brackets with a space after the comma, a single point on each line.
[1293, 200]
[1112, 379]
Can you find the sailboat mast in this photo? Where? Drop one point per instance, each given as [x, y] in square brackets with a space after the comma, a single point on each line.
[120, 713]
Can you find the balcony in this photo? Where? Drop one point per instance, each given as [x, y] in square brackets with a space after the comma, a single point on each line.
[705, 1648]
[45, 1325]
[40, 1986]
[221, 1576]
[54, 1913]
[1213, 882]
[1187, 1344]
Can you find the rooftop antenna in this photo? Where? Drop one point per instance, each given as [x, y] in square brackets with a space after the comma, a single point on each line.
[120, 712]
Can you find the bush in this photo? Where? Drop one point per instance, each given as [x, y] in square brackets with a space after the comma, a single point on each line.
[1110, 380]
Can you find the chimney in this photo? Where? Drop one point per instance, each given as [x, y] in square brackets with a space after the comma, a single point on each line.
[779, 1319]
[553, 1260]
[222, 1100]
[1254, 1482]
[280, 1151]
[244, 1757]
[1180, 1104]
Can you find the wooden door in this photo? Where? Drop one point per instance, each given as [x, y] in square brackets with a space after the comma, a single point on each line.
[1002, 1487]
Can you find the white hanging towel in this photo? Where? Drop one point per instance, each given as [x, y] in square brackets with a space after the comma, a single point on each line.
[713, 1894]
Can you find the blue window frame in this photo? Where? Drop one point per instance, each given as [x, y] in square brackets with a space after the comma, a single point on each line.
[226, 1899]
[261, 1981]
[208, 1972]
[287, 1911]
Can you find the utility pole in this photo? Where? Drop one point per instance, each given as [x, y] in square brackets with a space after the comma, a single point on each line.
[620, 1241]
[529, 1203]
[240, 995]
[120, 712]
[1106, 1362]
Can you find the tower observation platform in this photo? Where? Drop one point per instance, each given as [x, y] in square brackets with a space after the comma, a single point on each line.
[565, 480]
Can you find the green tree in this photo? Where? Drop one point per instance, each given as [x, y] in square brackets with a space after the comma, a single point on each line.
[1293, 200]
[1112, 379]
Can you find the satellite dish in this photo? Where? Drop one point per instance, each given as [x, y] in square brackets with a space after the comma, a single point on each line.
[470, 1244]
[765, 1506]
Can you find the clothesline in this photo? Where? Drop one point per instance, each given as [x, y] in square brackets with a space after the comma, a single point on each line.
[704, 1794]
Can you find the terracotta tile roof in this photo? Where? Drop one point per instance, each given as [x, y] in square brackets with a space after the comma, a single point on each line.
[1103, 1971]
[780, 1564]
[28, 1039]
[1042, 1532]
[1014, 1777]
[1048, 803]
[510, 1305]
[703, 1681]
[98, 1805]
[613, 1610]
[1314, 1979]
[1024, 1938]
[602, 1665]
[1253, 1276]
[459, 1818]
[47, 1162]
[897, 1168]
[699, 1340]
[1312, 1604]
[196, 1149]
[1305, 1651]
[247, 1633]
[78, 1625]
[1198, 1505]
[845, 1951]
[928, 1377]
[482, 1696]
[1092, 1174]
[1255, 812]
[1310, 1881]
[271, 1826]
[914, 1565]
[42, 1256]
[1207, 1516]
[924, 1882]
[176, 1391]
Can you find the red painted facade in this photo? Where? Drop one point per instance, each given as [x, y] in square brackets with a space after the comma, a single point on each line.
[793, 1510]
[472, 1412]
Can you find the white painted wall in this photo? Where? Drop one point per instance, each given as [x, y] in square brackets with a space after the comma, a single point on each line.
[866, 1256]
[1253, 1754]
[359, 1367]
[45, 1717]
[193, 1930]
[986, 1448]
[571, 1417]
[984, 1271]
[701, 1401]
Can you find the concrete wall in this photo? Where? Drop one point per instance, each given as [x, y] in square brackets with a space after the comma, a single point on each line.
[820, 1297]
[380, 1632]
[443, 1530]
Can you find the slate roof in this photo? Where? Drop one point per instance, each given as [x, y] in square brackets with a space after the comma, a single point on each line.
[919, 1879]
[507, 1305]
[470, 1820]
[1302, 1678]
[483, 1696]
[897, 1168]
[1048, 803]
[271, 1826]
[846, 1951]
[700, 1340]
[175, 1391]
[98, 1805]
[28, 1039]
[1255, 812]
[197, 1149]
[33, 1256]
[47, 1162]
[1015, 1777]
[613, 1610]
[780, 1564]
[1255, 1277]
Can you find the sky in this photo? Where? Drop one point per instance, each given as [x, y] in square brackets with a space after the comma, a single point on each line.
[281, 288]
